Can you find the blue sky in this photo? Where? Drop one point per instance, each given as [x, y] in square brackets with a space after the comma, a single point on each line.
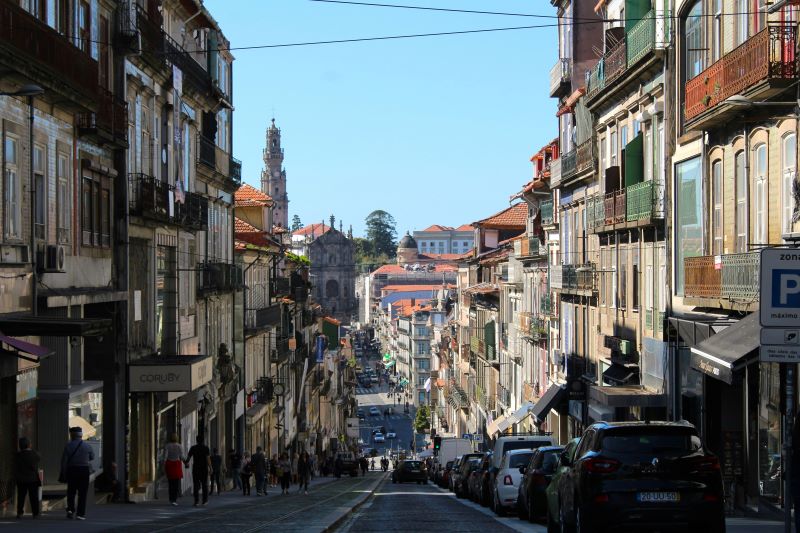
[435, 130]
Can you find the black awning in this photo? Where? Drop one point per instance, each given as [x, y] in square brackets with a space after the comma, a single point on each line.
[618, 374]
[554, 395]
[50, 326]
[722, 354]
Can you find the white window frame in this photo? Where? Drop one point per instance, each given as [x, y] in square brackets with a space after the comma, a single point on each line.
[12, 189]
[717, 212]
[760, 186]
[789, 157]
[740, 182]
[63, 197]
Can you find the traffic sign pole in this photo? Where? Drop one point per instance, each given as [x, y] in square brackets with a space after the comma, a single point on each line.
[788, 428]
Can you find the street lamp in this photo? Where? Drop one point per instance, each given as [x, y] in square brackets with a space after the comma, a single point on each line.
[737, 100]
[31, 90]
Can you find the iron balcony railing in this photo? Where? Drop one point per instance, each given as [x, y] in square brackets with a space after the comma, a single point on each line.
[573, 277]
[538, 329]
[546, 305]
[643, 201]
[585, 155]
[235, 172]
[546, 209]
[110, 120]
[769, 54]
[569, 164]
[154, 199]
[194, 75]
[641, 38]
[153, 45]
[610, 67]
[504, 395]
[560, 75]
[555, 173]
[733, 277]
[218, 276]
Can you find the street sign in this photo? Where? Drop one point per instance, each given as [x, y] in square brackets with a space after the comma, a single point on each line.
[780, 336]
[780, 354]
[467, 436]
[780, 287]
[477, 437]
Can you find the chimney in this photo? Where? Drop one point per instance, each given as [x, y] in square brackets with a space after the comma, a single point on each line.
[413, 302]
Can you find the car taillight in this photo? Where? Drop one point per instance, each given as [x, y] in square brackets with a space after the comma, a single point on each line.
[600, 465]
[507, 480]
[709, 497]
[601, 498]
[708, 463]
[539, 480]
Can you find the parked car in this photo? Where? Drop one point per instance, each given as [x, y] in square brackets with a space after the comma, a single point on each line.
[476, 477]
[565, 458]
[502, 490]
[483, 487]
[378, 437]
[373, 411]
[469, 464]
[453, 473]
[444, 477]
[349, 463]
[537, 473]
[642, 475]
[410, 471]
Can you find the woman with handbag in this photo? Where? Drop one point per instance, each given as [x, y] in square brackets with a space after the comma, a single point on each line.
[173, 467]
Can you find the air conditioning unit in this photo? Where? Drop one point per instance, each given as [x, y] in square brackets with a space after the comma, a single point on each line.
[51, 258]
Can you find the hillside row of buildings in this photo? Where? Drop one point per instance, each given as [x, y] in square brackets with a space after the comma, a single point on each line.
[144, 290]
[623, 281]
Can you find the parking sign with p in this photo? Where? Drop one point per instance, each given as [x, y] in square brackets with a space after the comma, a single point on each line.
[780, 287]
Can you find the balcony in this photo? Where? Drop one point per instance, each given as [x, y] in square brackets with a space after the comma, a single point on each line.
[614, 208]
[216, 276]
[607, 70]
[573, 279]
[529, 247]
[760, 67]
[258, 319]
[110, 122]
[546, 209]
[586, 156]
[641, 39]
[643, 202]
[218, 163]
[195, 76]
[477, 346]
[153, 199]
[153, 46]
[42, 55]
[538, 330]
[731, 280]
[546, 305]
[569, 164]
[281, 286]
[560, 76]
[555, 173]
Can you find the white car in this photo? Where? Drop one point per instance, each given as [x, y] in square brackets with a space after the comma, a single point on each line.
[373, 411]
[391, 434]
[506, 483]
[379, 438]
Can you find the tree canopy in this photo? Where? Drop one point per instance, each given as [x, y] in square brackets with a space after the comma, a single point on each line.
[381, 233]
[296, 224]
[422, 421]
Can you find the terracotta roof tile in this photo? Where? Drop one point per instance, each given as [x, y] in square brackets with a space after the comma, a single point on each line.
[410, 288]
[312, 230]
[249, 196]
[397, 269]
[513, 217]
[465, 227]
[437, 227]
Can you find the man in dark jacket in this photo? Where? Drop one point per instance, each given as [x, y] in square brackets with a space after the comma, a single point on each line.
[200, 469]
[258, 464]
[26, 475]
[76, 466]
[216, 472]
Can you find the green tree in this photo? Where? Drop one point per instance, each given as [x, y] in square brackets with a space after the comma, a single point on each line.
[381, 233]
[296, 224]
[422, 422]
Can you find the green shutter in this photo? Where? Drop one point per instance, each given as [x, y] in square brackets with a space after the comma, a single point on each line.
[635, 10]
[332, 332]
[634, 161]
[213, 55]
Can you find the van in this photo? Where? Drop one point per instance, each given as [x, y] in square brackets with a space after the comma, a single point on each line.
[517, 442]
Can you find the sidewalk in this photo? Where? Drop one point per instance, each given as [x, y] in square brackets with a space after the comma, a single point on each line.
[329, 499]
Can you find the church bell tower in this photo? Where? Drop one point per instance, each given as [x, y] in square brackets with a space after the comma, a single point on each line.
[273, 177]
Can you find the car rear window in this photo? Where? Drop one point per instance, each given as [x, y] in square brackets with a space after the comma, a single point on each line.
[519, 459]
[523, 445]
[412, 464]
[651, 442]
[550, 460]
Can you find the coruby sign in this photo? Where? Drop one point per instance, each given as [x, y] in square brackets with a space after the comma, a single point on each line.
[175, 374]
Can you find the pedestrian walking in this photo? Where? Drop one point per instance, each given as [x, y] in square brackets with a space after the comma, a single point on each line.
[303, 472]
[294, 469]
[364, 465]
[337, 466]
[258, 465]
[216, 471]
[201, 467]
[285, 472]
[26, 476]
[235, 461]
[273, 470]
[75, 469]
[245, 474]
[173, 467]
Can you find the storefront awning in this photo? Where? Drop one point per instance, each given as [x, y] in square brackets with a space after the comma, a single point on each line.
[522, 413]
[722, 354]
[55, 326]
[554, 395]
[618, 374]
[498, 425]
[23, 347]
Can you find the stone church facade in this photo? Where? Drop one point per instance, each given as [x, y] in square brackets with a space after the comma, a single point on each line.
[333, 274]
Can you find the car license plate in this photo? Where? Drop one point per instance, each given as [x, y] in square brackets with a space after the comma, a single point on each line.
[659, 497]
[415, 470]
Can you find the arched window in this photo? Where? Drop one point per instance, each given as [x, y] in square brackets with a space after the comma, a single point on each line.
[695, 41]
[789, 158]
[716, 215]
[741, 203]
[332, 289]
[760, 186]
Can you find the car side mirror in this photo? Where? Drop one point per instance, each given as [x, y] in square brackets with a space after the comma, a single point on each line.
[565, 460]
[522, 469]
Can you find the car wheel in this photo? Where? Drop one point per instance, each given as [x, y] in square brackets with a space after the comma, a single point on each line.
[498, 507]
[522, 513]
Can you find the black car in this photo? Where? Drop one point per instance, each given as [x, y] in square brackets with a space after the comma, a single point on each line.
[646, 475]
[480, 484]
[531, 498]
[469, 463]
[410, 471]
